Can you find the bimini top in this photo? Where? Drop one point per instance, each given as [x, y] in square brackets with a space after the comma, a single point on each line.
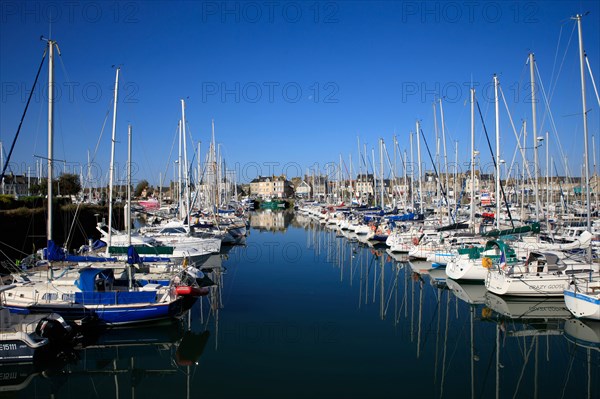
[89, 275]
[546, 261]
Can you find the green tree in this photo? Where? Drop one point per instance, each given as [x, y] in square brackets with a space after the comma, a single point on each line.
[69, 184]
[140, 187]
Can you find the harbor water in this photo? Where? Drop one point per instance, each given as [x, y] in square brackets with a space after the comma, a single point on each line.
[303, 311]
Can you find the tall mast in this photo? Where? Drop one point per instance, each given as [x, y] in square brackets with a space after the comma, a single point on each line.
[419, 161]
[585, 126]
[412, 174]
[496, 104]
[395, 163]
[179, 174]
[351, 179]
[535, 137]
[404, 199]
[185, 163]
[547, 171]
[525, 168]
[214, 164]
[445, 153]
[359, 168]
[111, 171]
[128, 213]
[472, 215]
[199, 171]
[455, 174]
[51, 44]
[381, 171]
[374, 176]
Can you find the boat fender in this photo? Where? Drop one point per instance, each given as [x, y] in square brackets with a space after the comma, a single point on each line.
[486, 262]
[486, 313]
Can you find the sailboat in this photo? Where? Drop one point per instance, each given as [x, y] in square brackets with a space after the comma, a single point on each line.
[582, 297]
[95, 292]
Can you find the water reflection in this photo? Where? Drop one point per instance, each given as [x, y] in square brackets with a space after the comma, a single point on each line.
[271, 220]
[350, 319]
[137, 361]
[468, 342]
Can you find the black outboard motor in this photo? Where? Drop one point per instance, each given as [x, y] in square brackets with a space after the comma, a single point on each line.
[54, 328]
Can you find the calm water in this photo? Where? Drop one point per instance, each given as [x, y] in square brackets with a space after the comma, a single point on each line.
[303, 313]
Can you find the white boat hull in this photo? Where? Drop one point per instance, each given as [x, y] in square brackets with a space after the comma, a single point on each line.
[542, 285]
[466, 269]
[583, 304]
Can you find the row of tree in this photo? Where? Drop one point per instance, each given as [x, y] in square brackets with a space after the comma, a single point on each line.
[70, 184]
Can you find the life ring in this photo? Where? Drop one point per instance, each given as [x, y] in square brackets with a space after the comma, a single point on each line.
[415, 241]
[486, 262]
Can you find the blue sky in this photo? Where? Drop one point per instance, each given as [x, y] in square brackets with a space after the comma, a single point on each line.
[291, 85]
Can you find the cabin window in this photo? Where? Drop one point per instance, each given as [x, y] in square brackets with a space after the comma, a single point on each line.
[68, 297]
[49, 296]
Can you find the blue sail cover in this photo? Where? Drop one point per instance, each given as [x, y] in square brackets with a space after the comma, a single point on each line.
[132, 256]
[401, 218]
[55, 253]
[87, 278]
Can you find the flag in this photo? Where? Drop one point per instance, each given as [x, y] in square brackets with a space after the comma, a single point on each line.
[502, 260]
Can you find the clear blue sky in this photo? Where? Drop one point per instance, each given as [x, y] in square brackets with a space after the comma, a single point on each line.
[291, 85]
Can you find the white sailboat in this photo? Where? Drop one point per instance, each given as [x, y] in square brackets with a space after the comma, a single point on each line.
[582, 297]
[95, 292]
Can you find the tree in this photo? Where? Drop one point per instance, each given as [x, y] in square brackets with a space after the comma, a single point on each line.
[140, 187]
[69, 184]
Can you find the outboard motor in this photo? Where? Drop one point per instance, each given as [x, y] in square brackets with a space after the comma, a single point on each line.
[54, 328]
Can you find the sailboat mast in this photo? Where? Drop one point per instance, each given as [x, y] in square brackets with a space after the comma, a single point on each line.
[185, 164]
[404, 197]
[445, 154]
[381, 188]
[179, 166]
[547, 171]
[351, 185]
[419, 161]
[89, 176]
[214, 165]
[585, 126]
[412, 175]
[496, 106]
[374, 176]
[111, 170]
[359, 168]
[535, 137]
[472, 215]
[128, 213]
[50, 134]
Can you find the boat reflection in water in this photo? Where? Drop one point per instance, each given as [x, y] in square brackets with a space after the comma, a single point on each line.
[584, 333]
[466, 341]
[122, 361]
[471, 293]
[138, 361]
